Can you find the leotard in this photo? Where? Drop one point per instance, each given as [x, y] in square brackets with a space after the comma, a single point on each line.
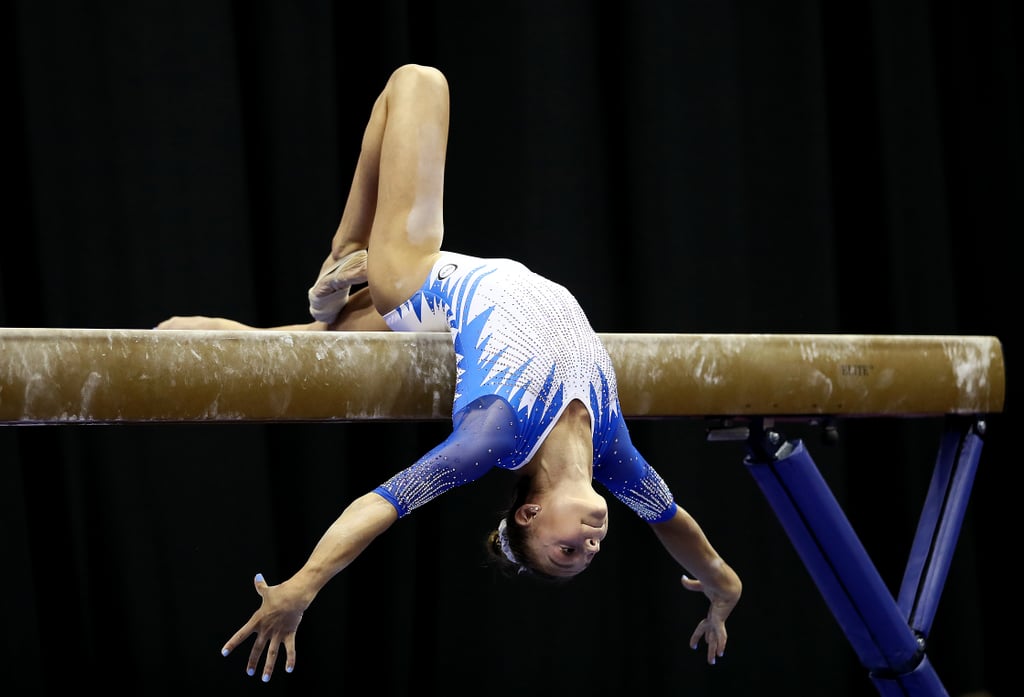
[524, 349]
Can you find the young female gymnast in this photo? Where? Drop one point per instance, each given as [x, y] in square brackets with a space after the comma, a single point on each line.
[535, 391]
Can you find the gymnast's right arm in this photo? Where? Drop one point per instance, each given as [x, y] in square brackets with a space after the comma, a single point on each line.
[281, 608]
[481, 439]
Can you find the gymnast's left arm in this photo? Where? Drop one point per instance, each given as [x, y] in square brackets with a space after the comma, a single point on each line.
[686, 542]
[621, 468]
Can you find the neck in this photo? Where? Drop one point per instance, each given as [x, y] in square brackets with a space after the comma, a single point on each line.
[566, 457]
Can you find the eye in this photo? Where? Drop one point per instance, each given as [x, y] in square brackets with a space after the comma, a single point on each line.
[567, 551]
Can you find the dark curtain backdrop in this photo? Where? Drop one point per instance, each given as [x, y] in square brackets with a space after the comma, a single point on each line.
[681, 166]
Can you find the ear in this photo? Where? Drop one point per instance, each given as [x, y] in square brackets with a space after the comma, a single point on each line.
[526, 512]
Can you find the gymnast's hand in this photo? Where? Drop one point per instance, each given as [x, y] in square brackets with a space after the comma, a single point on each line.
[712, 628]
[274, 623]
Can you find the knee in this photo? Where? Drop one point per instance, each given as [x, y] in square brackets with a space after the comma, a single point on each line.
[412, 74]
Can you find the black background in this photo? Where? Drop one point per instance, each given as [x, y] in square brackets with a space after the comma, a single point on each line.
[689, 166]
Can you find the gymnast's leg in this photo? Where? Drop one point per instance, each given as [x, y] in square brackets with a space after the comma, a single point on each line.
[395, 202]
[394, 207]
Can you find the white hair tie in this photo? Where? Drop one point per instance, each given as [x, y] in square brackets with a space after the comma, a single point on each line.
[503, 540]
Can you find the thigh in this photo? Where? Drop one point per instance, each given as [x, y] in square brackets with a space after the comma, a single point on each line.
[408, 222]
[395, 276]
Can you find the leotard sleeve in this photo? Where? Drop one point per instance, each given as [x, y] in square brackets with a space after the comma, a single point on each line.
[631, 479]
[484, 434]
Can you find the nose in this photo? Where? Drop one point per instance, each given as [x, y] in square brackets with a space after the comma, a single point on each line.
[593, 545]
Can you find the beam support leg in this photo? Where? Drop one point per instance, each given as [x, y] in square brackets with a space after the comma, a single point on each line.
[888, 637]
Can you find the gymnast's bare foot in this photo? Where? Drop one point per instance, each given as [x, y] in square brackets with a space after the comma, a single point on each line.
[201, 322]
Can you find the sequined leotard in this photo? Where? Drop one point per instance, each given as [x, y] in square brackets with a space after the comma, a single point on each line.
[524, 350]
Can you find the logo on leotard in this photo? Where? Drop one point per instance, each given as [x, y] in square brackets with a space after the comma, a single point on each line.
[446, 271]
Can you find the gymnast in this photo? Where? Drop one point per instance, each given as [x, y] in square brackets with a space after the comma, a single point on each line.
[536, 390]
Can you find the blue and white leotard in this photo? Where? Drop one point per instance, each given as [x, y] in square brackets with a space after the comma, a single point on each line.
[524, 349]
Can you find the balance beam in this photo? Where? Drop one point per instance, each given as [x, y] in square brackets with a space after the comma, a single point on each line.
[98, 376]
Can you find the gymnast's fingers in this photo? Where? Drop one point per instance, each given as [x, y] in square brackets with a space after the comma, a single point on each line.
[716, 639]
[250, 626]
[268, 664]
[254, 658]
[289, 645]
[715, 636]
[691, 584]
[238, 637]
[260, 584]
[698, 634]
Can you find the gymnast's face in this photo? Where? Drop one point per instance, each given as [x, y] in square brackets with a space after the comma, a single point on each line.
[565, 532]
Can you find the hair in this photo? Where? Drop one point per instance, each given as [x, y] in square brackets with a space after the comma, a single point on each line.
[517, 539]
